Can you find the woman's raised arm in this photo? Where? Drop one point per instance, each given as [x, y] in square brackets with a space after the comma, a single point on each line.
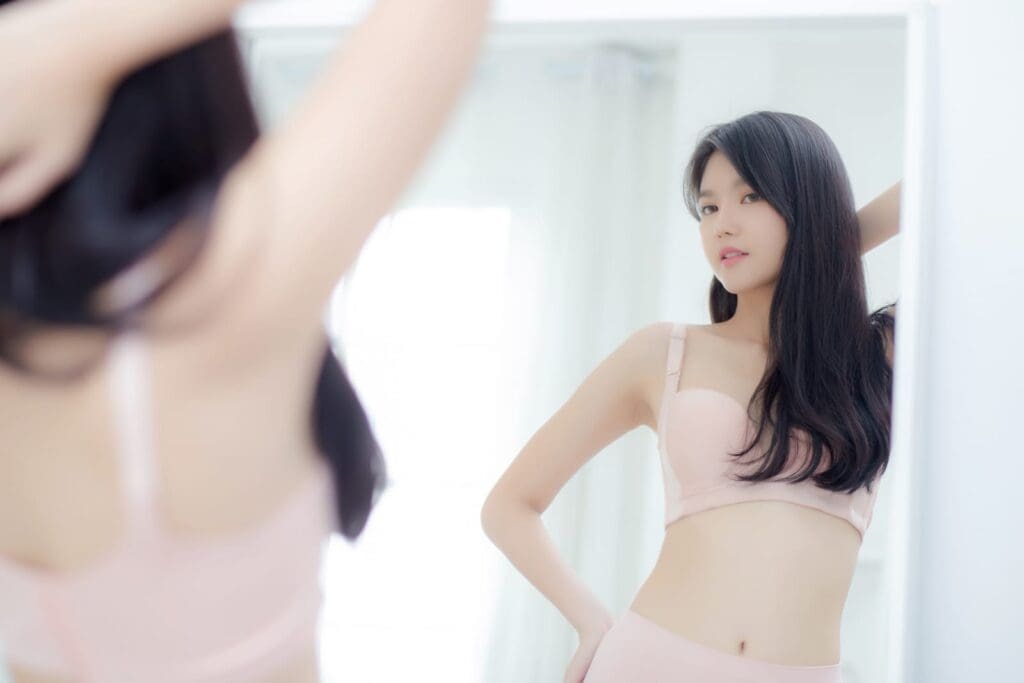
[880, 219]
[311, 190]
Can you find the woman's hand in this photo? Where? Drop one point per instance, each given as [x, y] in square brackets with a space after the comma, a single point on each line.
[52, 104]
[590, 639]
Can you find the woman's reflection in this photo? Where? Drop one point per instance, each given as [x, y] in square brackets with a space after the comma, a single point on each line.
[773, 426]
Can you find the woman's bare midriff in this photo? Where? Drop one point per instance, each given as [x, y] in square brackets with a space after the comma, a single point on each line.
[762, 579]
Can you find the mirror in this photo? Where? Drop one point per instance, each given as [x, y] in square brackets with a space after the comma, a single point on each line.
[547, 226]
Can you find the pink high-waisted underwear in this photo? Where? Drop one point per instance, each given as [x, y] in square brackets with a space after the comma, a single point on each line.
[637, 650]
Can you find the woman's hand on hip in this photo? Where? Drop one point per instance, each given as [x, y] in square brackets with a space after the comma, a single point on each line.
[590, 640]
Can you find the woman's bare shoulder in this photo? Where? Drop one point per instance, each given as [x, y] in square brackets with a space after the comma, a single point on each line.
[650, 344]
[651, 341]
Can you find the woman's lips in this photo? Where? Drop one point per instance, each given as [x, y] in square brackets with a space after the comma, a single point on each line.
[733, 259]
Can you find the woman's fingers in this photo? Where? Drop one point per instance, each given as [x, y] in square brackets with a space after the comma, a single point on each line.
[25, 182]
[27, 178]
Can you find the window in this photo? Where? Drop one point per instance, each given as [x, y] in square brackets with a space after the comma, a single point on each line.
[418, 321]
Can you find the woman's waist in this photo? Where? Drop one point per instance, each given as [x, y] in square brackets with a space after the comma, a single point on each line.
[753, 570]
[746, 593]
[775, 639]
[762, 545]
[744, 620]
[763, 598]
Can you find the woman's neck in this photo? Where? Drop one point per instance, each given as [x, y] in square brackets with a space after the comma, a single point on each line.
[753, 315]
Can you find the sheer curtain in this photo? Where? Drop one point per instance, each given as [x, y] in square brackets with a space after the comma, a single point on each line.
[563, 151]
[584, 272]
[527, 249]
[556, 168]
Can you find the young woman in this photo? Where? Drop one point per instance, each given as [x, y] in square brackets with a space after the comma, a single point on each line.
[178, 438]
[762, 532]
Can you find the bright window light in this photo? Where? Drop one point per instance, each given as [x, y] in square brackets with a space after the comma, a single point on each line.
[418, 322]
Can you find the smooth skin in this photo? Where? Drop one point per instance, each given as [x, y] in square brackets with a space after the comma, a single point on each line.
[761, 579]
[288, 223]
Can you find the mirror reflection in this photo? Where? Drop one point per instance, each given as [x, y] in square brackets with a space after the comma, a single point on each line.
[547, 229]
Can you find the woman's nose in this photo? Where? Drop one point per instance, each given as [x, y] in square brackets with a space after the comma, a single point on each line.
[724, 228]
[724, 224]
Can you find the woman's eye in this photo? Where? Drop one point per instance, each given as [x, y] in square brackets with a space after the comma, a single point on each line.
[712, 206]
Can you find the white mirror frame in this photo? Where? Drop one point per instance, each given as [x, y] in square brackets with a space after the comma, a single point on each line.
[918, 180]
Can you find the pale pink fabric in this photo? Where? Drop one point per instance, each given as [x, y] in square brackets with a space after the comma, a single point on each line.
[161, 609]
[697, 430]
[638, 650]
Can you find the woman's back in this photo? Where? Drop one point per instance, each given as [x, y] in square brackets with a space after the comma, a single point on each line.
[161, 518]
[236, 483]
[230, 444]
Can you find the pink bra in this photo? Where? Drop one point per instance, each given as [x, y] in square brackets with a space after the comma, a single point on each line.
[164, 609]
[697, 430]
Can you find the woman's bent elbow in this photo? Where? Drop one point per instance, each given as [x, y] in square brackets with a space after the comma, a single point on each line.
[498, 511]
[490, 511]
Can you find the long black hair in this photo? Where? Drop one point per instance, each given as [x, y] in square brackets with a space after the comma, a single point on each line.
[146, 186]
[827, 372]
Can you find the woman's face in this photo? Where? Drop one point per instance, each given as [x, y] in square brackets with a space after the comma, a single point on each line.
[734, 216]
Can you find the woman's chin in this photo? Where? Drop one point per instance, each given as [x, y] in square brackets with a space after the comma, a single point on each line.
[737, 286]
[730, 286]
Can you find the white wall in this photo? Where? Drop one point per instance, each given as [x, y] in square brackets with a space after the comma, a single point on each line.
[965, 615]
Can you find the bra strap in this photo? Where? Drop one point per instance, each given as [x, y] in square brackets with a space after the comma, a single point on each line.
[674, 362]
[134, 425]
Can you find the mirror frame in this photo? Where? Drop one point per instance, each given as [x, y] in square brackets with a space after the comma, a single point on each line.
[606, 17]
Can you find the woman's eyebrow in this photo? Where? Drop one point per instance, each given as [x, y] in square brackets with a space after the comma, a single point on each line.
[736, 183]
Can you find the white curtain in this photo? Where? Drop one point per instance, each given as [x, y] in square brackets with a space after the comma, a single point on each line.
[586, 148]
[562, 153]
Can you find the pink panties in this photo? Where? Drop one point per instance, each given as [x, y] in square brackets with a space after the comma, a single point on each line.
[637, 650]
